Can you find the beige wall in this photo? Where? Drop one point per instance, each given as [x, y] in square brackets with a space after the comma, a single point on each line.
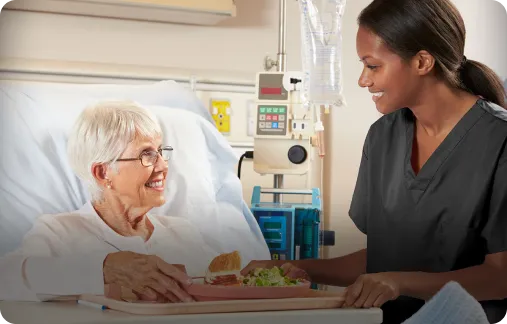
[238, 46]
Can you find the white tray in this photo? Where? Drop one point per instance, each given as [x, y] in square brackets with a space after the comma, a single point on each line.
[314, 300]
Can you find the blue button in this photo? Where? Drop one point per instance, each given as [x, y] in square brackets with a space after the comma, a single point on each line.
[275, 125]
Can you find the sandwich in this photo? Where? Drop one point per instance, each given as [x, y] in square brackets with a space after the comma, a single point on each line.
[225, 270]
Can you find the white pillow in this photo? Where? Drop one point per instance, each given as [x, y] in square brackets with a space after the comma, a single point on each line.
[73, 97]
[36, 178]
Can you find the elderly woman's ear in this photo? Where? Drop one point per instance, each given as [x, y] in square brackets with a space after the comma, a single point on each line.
[99, 171]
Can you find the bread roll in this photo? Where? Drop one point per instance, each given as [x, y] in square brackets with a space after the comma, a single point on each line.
[224, 269]
[226, 262]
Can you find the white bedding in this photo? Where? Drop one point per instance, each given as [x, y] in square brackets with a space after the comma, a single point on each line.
[36, 179]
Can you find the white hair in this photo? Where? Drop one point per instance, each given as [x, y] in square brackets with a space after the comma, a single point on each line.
[102, 133]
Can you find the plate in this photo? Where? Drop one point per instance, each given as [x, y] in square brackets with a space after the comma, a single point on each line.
[203, 292]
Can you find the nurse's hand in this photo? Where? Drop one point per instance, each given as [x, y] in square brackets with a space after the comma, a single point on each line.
[148, 276]
[372, 290]
[294, 272]
[266, 264]
[289, 269]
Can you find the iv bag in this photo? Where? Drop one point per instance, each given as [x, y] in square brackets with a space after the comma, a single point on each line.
[321, 32]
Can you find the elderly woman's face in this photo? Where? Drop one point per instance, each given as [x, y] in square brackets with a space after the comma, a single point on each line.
[138, 185]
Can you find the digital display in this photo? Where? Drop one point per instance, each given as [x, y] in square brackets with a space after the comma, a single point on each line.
[273, 235]
[272, 245]
[272, 225]
[271, 91]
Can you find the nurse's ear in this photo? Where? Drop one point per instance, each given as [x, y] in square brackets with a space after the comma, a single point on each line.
[423, 63]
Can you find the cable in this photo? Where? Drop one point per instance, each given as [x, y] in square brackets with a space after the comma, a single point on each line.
[247, 155]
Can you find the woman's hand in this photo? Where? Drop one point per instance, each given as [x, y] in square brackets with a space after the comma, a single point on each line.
[373, 290]
[147, 276]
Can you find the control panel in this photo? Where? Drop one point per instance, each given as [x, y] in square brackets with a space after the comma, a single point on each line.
[272, 120]
[277, 231]
[282, 131]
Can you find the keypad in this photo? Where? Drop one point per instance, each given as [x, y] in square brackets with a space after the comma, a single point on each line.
[272, 120]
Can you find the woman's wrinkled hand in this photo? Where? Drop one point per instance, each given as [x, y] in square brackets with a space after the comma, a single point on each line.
[372, 290]
[148, 276]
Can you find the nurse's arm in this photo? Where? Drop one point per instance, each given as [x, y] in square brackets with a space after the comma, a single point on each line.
[341, 271]
[484, 282]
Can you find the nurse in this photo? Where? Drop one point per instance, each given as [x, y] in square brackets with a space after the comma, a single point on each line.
[431, 193]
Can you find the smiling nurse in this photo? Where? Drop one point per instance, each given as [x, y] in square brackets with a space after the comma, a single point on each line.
[431, 193]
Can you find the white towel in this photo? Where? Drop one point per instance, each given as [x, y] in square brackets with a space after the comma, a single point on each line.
[451, 305]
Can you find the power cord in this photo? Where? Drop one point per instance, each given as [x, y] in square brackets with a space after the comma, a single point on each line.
[246, 155]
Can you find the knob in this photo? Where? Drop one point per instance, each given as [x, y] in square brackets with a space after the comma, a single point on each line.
[297, 154]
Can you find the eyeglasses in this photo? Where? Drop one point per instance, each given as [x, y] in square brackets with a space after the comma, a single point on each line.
[149, 158]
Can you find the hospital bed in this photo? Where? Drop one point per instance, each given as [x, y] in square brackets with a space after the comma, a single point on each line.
[36, 179]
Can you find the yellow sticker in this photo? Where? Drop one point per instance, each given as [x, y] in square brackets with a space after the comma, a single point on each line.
[221, 113]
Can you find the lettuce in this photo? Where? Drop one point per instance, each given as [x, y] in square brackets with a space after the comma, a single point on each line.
[268, 277]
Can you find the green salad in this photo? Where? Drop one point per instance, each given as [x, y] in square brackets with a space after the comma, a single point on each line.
[268, 277]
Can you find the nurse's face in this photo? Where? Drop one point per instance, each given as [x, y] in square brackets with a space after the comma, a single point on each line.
[391, 81]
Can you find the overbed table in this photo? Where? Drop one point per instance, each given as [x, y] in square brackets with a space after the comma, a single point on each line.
[69, 312]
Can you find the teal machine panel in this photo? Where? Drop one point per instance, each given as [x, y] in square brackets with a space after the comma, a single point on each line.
[291, 231]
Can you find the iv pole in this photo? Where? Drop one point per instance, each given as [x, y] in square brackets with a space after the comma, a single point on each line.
[281, 67]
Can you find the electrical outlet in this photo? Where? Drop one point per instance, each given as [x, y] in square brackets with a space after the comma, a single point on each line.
[221, 113]
[301, 126]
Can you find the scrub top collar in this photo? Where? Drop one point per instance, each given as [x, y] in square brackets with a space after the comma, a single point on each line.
[419, 183]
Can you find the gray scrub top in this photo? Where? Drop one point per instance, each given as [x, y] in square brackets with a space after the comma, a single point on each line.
[447, 217]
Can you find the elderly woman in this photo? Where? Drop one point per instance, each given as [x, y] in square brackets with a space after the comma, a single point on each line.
[112, 241]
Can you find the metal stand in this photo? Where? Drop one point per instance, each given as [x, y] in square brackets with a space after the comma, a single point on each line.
[292, 231]
[281, 67]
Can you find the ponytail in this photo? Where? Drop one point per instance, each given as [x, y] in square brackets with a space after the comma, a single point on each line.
[480, 80]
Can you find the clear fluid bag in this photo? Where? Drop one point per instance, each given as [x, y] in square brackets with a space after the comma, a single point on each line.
[321, 32]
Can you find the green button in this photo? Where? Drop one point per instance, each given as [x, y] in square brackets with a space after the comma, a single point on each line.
[281, 110]
[263, 110]
[275, 110]
[269, 110]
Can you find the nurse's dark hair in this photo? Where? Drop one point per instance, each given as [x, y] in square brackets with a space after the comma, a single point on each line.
[409, 26]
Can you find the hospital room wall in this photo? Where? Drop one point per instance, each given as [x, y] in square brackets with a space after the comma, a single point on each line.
[234, 50]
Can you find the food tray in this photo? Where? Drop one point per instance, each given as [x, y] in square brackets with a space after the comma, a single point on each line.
[313, 299]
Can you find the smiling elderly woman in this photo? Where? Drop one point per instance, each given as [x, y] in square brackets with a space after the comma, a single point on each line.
[117, 149]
